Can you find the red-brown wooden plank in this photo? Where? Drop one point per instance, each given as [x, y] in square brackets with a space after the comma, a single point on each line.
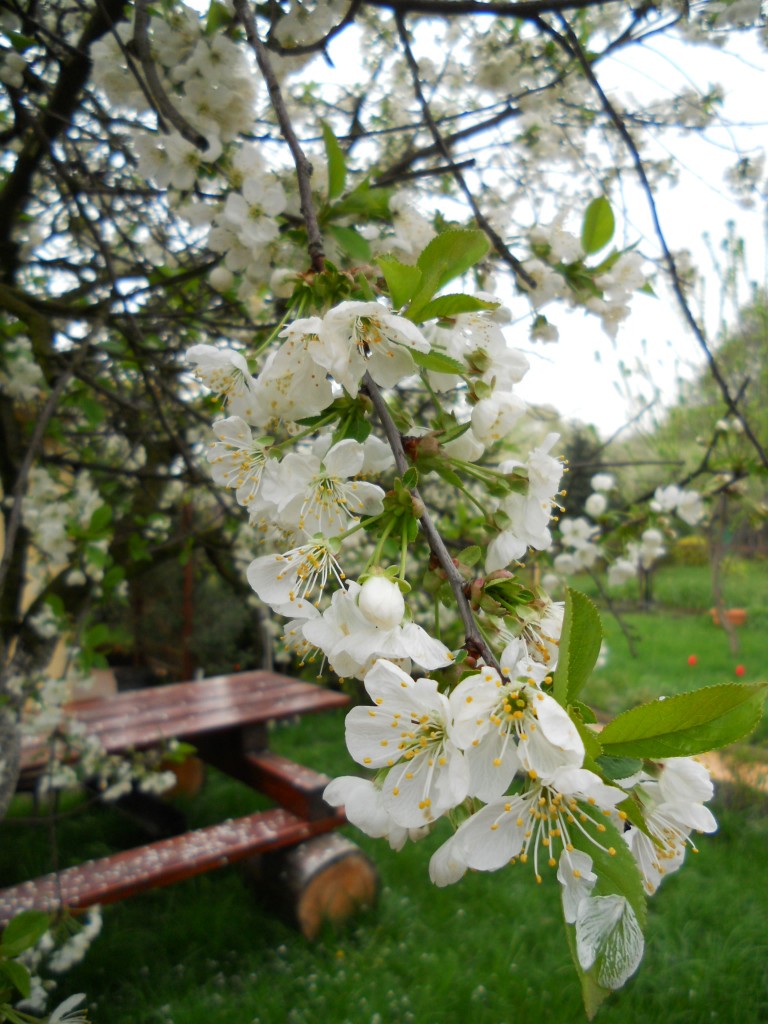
[143, 718]
[163, 863]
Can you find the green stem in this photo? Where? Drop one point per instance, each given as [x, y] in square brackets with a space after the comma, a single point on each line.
[362, 525]
[467, 494]
[306, 432]
[376, 556]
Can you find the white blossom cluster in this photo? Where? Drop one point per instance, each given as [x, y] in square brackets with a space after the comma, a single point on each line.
[21, 378]
[314, 494]
[556, 251]
[580, 535]
[53, 954]
[53, 507]
[502, 750]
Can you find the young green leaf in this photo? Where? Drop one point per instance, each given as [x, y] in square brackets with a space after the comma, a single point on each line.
[352, 242]
[580, 641]
[688, 724]
[17, 974]
[438, 362]
[402, 280]
[452, 305]
[448, 255]
[24, 931]
[598, 227]
[337, 165]
[617, 876]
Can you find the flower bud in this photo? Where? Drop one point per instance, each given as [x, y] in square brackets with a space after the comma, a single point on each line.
[596, 504]
[381, 602]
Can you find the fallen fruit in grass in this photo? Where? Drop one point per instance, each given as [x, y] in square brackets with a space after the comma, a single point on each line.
[692, 659]
[740, 670]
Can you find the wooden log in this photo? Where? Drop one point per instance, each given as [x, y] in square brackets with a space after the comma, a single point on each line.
[323, 881]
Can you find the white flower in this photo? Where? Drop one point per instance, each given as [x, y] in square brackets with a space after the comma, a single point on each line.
[287, 582]
[365, 336]
[237, 460]
[674, 807]
[602, 482]
[536, 822]
[291, 384]
[529, 514]
[317, 494]
[595, 505]
[621, 571]
[65, 1012]
[352, 643]
[226, 372]
[407, 731]
[493, 417]
[503, 726]
[364, 807]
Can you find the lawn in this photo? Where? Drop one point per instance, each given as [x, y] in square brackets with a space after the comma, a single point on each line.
[489, 950]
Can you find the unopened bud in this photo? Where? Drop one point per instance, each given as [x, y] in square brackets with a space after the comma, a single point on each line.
[381, 602]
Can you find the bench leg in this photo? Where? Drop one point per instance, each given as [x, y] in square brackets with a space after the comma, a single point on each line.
[323, 881]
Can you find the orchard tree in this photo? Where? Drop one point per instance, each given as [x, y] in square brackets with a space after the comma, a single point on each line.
[348, 254]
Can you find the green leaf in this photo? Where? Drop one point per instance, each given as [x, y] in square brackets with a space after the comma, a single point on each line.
[218, 17]
[580, 641]
[437, 362]
[471, 556]
[619, 767]
[100, 519]
[617, 874]
[690, 723]
[352, 242]
[452, 305]
[449, 255]
[372, 202]
[590, 739]
[24, 931]
[17, 974]
[411, 478]
[598, 227]
[337, 165]
[402, 280]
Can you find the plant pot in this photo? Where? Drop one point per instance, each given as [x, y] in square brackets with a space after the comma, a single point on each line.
[735, 616]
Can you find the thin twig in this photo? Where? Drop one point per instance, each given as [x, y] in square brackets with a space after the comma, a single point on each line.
[496, 239]
[572, 45]
[302, 164]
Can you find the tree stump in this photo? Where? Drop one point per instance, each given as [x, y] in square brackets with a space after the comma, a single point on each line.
[325, 880]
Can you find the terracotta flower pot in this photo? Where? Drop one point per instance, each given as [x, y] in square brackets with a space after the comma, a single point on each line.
[736, 616]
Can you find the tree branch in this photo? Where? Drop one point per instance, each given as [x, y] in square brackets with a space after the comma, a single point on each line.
[163, 106]
[573, 46]
[473, 638]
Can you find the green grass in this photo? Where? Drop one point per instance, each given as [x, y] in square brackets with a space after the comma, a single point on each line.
[489, 950]
[647, 651]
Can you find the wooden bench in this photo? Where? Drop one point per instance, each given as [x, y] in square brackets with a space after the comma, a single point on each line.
[226, 719]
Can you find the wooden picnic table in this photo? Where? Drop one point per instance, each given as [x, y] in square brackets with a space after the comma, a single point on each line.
[226, 719]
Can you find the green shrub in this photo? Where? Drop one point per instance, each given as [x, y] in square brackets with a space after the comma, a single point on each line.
[692, 550]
